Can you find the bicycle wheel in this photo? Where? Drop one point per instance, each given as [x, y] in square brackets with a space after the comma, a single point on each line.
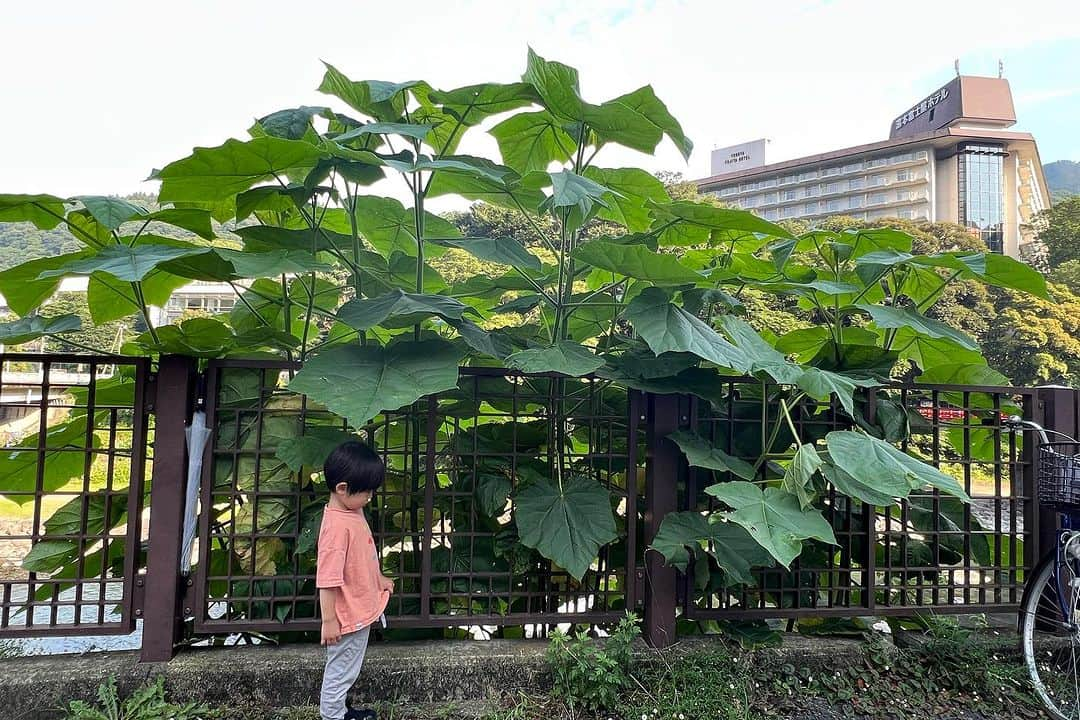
[1051, 643]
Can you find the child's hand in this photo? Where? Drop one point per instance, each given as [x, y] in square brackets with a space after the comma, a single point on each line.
[387, 584]
[331, 632]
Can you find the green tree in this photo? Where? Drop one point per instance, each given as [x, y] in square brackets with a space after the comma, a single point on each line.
[1067, 274]
[1034, 341]
[1059, 231]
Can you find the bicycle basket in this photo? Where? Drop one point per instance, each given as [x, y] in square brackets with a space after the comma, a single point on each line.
[1059, 474]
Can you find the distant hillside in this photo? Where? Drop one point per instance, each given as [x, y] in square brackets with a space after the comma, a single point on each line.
[20, 242]
[1063, 178]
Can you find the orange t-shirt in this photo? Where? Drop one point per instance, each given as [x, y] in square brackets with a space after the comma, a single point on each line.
[349, 561]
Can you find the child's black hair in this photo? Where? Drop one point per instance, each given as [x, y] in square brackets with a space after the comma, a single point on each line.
[355, 464]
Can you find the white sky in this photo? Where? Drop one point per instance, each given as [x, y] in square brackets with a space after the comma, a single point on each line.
[94, 94]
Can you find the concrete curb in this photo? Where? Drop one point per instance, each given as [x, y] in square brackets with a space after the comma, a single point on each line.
[34, 688]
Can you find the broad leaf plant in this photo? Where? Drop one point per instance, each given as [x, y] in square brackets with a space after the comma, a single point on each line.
[627, 287]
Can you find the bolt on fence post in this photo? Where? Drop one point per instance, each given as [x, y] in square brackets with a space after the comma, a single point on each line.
[662, 465]
[1061, 413]
[162, 619]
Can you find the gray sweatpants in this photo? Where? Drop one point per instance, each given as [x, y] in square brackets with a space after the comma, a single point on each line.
[343, 663]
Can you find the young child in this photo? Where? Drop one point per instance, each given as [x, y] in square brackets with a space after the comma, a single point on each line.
[353, 592]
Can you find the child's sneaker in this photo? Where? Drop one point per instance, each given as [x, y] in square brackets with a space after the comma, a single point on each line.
[360, 714]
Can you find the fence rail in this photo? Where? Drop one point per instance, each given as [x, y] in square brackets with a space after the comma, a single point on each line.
[75, 444]
[78, 557]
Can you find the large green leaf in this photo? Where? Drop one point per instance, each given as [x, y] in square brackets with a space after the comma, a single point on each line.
[407, 308]
[568, 358]
[361, 381]
[702, 453]
[556, 84]
[568, 189]
[44, 211]
[897, 317]
[875, 461]
[312, 448]
[773, 518]
[668, 328]
[290, 123]
[492, 492]
[209, 338]
[110, 298]
[63, 458]
[419, 132]
[759, 355]
[473, 103]
[567, 525]
[195, 220]
[122, 261]
[31, 328]
[633, 188]
[960, 373]
[389, 226]
[732, 547]
[481, 179]
[532, 141]
[219, 173]
[715, 218]
[799, 474]
[265, 238]
[822, 384]
[637, 261]
[20, 285]
[505, 251]
[273, 263]
[881, 491]
[928, 352]
[637, 120]
[111, 212]
[375, 98]
[1004, 271]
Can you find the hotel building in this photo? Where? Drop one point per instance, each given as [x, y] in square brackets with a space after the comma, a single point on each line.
[949, 158]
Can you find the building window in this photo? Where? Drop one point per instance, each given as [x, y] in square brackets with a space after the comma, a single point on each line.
[904, 175]
[833, 206]
[877, 162]
[878, 181]
[729, 190]
[833, 187]
[829, 172]
[788, 195]
[810, 208]
[905, 214]
[771, 214]
[904, 195]
[855, 202]
[787, 212]
[803, 177]
[856, 183]
[788, 179]
[853, 167]
[813, 191]
[906, 157]
[877, 198]
[771, 182]
[921, 155]
[768, 198]
[981, 185]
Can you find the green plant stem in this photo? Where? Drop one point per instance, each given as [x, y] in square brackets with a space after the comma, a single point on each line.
[248, 305]
[795, 400]
[72, 343]
[139, 298]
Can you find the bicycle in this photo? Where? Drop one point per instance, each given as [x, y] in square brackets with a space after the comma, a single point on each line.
[1049, 620]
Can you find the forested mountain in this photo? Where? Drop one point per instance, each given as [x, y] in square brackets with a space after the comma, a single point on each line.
[1063, 178]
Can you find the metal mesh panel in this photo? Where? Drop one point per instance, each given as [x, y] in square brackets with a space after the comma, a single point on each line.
[928, 551]
[74, 432]
[442, 518]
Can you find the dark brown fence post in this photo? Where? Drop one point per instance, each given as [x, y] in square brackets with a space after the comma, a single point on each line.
[162, 620]
[661, 497]
[1060, 413]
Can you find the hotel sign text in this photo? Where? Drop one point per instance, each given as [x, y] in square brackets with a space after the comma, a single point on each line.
[921, 108]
